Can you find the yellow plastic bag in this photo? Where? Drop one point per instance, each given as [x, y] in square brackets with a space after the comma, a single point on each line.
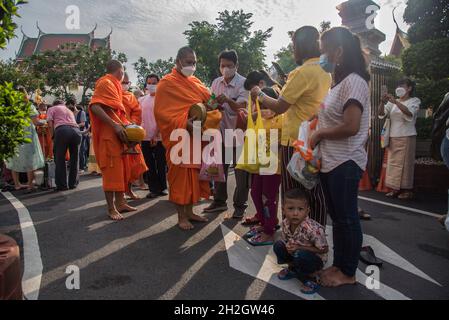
[249, 158]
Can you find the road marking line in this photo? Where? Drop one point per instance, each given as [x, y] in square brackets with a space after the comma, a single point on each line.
[32, 276]
[426, 213]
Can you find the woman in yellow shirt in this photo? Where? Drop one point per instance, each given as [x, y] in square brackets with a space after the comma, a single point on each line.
[300, 100]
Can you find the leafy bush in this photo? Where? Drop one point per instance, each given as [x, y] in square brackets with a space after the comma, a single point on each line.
[424, 128]
[427, 59]
[8, 10]
[432, 92]
[15, 113]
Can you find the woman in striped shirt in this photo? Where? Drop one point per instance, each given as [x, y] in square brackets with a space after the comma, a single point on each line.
[342, 135]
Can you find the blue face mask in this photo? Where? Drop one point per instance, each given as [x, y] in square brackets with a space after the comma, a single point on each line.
[327, 66]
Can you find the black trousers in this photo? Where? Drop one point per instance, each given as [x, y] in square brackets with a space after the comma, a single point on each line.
[67, 138]
[157, 166]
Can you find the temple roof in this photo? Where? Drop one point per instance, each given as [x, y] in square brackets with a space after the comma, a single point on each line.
[48, 42]
[400, 41]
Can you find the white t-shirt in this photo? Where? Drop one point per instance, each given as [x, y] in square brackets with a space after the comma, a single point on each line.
[336, 152]
[401, 124]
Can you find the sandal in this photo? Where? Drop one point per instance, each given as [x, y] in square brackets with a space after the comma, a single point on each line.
[287, 274]
[310, 288]
[368, 257]
[252, 233]
[406, 196]
[257, 242]
[364, 216]
[393, 194]
[248, 222]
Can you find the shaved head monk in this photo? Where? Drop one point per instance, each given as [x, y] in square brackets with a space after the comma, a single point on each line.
[108, 117]
[175, 94]
[137, 165]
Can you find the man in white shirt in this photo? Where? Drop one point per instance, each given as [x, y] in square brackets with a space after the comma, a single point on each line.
[152, 148]
[232, 96]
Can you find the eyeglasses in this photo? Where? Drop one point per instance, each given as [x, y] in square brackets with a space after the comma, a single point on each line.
[129, 82]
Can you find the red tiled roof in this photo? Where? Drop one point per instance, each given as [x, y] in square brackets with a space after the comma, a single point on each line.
[48, 42]
[28, 47]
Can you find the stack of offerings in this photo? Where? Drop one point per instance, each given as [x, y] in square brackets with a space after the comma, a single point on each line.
[305, 164]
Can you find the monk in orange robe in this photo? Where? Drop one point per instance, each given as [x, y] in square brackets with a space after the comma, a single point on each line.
[108, 117]
[176, 93]
[43, 133]
[134, 115]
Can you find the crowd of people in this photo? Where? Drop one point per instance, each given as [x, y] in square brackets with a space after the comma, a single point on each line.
[331, 83]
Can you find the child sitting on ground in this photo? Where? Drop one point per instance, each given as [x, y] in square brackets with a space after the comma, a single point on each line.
[304, 245]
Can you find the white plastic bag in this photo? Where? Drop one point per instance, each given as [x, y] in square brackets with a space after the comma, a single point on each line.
[304, 165]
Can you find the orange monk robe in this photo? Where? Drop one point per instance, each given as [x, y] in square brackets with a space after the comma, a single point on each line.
[134, 114]
[107, 146]
[174, 97]
[45, 139]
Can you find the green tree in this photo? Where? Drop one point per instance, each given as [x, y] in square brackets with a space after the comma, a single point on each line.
[8, 10]
[19, 75]
[14, 109]
[231, 31]
[71, 65]
[15, 113]
[426, 59]
[160, 67]
[429, 19]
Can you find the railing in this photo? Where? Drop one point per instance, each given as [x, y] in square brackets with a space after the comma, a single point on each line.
[382, 73]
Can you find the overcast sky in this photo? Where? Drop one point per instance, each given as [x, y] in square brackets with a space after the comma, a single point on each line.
[154, 28]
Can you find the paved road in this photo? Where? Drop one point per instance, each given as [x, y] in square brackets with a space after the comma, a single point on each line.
[147, 257]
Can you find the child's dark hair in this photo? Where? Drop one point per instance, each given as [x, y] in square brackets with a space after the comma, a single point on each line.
[296, 194]
[270, 92]
[255, 77]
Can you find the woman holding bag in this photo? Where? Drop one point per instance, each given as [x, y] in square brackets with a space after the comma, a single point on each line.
[402, 114]
[342, 135]
[300, 100]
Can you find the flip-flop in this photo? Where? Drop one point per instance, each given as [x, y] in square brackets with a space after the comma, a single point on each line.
[251, 234]
[313, 286]
[368, 257]
[286, 274]
[256, 243]
[364, 216]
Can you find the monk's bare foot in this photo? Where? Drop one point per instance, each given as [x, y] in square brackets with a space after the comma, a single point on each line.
[196, 218]
[185, 225]
[114, 215]
[336, 279]
[133, 196]
[124, 208]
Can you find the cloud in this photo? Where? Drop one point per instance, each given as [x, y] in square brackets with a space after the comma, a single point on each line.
[154, 28]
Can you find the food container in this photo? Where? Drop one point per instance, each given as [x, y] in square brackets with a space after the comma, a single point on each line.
[199, 111]
[135, 133]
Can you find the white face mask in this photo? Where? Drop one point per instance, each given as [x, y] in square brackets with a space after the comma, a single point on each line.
[401, 92]
[228, 72]
[188, 71]
[125, 87]
[151, 88]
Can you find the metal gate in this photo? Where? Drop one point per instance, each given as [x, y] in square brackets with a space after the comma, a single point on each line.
[382, 73]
